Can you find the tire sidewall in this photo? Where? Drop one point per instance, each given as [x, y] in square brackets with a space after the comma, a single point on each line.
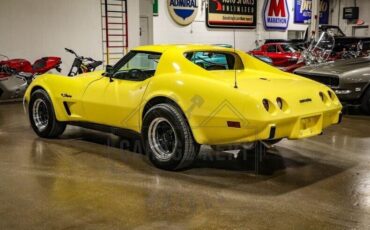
[41, 94]
[179, 131]
[366, 102]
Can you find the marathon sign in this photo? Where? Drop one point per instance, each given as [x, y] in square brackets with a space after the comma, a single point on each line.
[276, 15]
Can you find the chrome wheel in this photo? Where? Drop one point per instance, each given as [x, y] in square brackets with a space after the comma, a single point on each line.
[162, 139]
[40, 114]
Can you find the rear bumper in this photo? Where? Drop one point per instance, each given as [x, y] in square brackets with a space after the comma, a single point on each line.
[301, 127]
[291, 127]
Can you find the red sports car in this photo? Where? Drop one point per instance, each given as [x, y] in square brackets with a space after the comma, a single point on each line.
[282, 54]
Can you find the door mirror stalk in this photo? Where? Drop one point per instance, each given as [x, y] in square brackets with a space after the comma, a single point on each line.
[109, 72]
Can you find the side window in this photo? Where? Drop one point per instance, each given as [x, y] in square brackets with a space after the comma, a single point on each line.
[288, 48]
[210, 60]
[137, 66]
[271, 49]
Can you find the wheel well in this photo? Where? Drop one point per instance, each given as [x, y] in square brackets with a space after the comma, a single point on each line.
[160, 100]
[36, 88]
[365, 91]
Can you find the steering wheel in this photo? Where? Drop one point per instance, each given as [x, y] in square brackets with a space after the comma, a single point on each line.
[136, 74]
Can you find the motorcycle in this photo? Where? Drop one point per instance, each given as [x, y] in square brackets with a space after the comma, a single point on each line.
[317, 53]
[17, 74]
[40, 66]
[322, 51]
[354, 51]
[82, 64]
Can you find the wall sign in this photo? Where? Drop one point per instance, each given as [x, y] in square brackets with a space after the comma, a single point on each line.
[276, 15]
[351, 13]
[232, 14]
[303, 11]
[155, 7]
[183, 12]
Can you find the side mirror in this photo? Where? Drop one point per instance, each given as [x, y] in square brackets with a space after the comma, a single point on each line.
[108, 69]
[109, 72]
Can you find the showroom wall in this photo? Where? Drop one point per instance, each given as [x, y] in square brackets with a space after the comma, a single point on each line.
[364, 6]
[167, 31]
[146, 11]
[36, 28]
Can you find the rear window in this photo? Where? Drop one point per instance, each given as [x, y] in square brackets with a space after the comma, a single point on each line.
[211, 61]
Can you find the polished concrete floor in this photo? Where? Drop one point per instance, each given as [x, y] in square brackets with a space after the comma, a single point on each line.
[85, 180]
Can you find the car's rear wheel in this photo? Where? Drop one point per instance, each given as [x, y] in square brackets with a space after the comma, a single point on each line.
[42, 116]
[167, 138]
[365, 105]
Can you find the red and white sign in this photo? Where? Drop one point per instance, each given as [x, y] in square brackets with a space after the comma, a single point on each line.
[276, 15]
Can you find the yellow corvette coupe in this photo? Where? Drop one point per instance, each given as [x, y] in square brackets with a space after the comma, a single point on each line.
[178, 97]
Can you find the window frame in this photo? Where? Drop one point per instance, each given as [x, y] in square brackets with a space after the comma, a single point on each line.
[192, 52]
[127, 58]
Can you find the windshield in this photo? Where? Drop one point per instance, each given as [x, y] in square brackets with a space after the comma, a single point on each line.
[137, 65]
[210, 60]
[142, 61]
[289, 48]
[320, 51]
[334, 31]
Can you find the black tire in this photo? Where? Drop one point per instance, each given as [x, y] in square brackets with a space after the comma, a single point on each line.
[177, 148]
[45, 125]
[365, 104]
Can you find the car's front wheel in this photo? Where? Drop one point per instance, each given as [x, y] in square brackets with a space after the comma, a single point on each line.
[167, 137]
[42, 116]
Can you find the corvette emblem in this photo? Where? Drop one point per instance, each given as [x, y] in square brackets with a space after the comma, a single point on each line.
[66, 95]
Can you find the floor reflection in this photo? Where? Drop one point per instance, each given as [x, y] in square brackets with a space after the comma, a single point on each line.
[93, 180]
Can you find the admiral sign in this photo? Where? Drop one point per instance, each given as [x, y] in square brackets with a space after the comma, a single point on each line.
[303, 11]
[232, 14]
[183, 12]
[276, 15]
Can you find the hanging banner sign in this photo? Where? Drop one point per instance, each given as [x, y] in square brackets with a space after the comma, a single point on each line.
[276, 15]
[240, 14]
[183, 12]
[303, 11]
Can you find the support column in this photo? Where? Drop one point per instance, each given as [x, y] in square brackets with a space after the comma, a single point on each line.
[315, 19]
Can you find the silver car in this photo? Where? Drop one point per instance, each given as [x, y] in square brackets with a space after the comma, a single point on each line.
[350, 79]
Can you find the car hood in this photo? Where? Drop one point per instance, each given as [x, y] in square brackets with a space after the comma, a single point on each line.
[336, 68]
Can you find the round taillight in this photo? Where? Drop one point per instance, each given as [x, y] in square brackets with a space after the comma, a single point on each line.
[279, 102]
[322, 96]
[331, 95]
[266, 104]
